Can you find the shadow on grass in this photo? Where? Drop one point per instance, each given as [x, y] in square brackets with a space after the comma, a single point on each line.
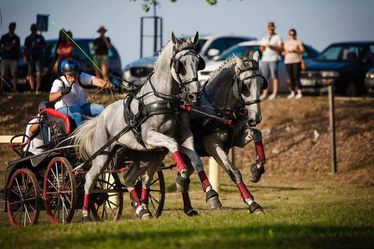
[226, 188]
[251, 236]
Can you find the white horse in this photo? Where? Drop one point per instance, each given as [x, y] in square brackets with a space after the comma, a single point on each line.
[233, 93]
[156, 119]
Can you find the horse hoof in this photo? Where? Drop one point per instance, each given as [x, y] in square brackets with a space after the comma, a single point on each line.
[86, 219]
[143, 213]
[183, 184]
[212, 199]
[256, 209]
[256, 173]
[191, 213]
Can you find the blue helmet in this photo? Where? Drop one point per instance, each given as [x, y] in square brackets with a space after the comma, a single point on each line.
[70, 66]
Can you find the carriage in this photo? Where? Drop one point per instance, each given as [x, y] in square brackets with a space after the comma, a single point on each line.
[53, 180]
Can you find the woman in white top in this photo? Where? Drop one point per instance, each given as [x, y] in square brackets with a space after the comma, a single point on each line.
[293, 50]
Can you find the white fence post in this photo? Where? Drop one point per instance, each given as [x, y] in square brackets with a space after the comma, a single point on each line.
[214, 174]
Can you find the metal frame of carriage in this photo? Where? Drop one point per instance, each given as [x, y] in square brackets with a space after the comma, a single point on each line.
[53, 181]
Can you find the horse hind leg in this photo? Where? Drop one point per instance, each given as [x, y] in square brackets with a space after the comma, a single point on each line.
[98, 166]
[140, 207]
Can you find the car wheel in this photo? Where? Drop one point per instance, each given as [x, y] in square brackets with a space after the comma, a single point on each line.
[351, 90]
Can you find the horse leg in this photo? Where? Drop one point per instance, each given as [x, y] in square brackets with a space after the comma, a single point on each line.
[212, 197]
[156, 139]
[183, 186]
[98, 166]
[140, 210]
[258, 168]
[221, 157]
[147, 178]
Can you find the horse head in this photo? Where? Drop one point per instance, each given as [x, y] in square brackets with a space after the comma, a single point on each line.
[184, 64]
[250, 83]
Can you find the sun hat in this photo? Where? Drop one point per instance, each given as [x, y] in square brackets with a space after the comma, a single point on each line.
[102, 28]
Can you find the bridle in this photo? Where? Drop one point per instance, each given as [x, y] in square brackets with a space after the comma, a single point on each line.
[175, 64]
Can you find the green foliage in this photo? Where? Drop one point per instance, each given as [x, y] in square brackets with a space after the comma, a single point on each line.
[146, 5]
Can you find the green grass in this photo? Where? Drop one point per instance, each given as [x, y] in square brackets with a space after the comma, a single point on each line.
[297, 217]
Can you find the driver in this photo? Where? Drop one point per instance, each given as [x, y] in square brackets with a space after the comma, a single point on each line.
[69, 95]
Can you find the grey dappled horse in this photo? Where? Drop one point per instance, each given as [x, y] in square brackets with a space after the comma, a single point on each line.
[232, 92]
[162, 123]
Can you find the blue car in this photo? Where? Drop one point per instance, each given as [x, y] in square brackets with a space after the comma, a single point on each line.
[343, 65]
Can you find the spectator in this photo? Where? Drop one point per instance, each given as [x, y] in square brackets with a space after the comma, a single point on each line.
[34, 55]
[64, 49]
[293, 52]
[271, 48]
[69, 95]
[11, 52]
[101, 46]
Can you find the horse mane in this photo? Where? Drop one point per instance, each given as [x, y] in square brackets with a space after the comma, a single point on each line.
[226, 64]
[166, 51]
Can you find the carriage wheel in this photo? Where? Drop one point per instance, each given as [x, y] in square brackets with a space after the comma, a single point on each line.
[156, 197]
[23, 198]
[106, 201]
[59, 191]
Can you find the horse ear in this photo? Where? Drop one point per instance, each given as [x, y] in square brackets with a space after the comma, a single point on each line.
[256, 56]
[195, 38]
[173, 38]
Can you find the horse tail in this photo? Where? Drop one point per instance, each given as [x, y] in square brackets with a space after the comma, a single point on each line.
[84, 136]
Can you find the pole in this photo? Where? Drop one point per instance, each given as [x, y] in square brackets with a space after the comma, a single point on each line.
[141, 37]
[214, 174]
[155, 29]
[332, 129]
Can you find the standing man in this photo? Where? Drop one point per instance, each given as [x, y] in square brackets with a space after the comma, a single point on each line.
[101, 46]
[11, 52]
[271, 48]
[33, 54]
[69, 95]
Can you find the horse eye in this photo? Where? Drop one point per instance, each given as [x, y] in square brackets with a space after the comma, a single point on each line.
[182, 69]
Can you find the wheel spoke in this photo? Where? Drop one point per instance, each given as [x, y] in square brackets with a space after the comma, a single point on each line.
[19, 188]
[153, 182]
[27, 213]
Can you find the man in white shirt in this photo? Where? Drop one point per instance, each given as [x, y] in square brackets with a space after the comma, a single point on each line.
[69, 95]
[271, 48]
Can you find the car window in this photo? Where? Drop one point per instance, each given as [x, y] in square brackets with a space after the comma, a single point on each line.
[309, 52]
[341, 53]
[229, 42]
[218, 44]
[240, 51]
[200, 44]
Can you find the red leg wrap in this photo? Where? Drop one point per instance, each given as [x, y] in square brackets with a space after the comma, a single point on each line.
[86, 202]
[204, 179]
[244, 191]
[260, 151]
[135, 196]
[145, 193]
[178, 159]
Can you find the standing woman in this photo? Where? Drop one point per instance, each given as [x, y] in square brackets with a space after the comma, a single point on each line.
[293, 51]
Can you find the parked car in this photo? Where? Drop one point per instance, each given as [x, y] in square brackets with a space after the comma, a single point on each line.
[342, 64]
[208, 47]
[369, 81]
[115, 66]
[246, 49]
